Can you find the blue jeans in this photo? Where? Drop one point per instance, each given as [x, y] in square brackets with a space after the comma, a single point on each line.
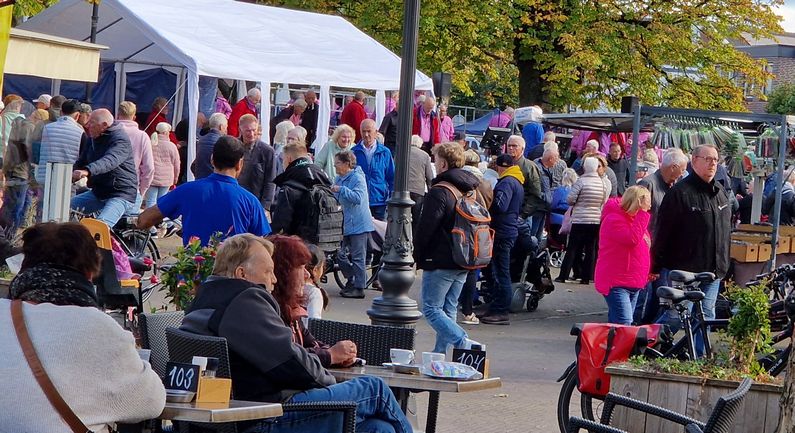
[647, 307]
[154, 193]
[501, 271]
[110, 210]
[15, 199]
[353, 268]
[671, 318]
[440, 291]
[377, 411]
[536, 223]
[378, 212]
[621, 304]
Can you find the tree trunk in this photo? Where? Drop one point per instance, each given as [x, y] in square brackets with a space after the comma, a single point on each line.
[786, 418]
[530, 81]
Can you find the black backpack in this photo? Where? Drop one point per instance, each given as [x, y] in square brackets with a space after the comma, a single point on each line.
[322, 224]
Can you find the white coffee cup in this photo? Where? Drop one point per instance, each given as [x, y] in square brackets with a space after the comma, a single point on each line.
[428, 357]
[401, 356]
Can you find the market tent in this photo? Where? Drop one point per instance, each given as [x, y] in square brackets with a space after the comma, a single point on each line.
[477, 126]
[234, 40]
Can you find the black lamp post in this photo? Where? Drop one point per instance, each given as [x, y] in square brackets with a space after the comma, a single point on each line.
[394, 307]
[93, 39]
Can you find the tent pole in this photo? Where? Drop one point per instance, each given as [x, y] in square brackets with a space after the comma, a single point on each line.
[193, 112]
[394, 307]
[633, 163]
[323, 117]
[92, 39]
[782, 154]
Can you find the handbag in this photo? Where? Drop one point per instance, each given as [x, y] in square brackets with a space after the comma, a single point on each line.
[565, 226]
[40, 374]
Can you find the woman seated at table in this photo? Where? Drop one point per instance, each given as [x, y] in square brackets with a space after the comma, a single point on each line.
[290, 256]
[89, 358]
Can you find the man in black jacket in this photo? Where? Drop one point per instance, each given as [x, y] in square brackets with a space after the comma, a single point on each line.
[442, 278]
[259, 164]
[309, 118]
[292, 203]
[620, 166]
[107, 162]
[297, 109]
[389, 128]
[694, 226]
[266, 364]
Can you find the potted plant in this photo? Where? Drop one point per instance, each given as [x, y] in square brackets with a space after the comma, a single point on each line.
[692, 387]
[194, 264]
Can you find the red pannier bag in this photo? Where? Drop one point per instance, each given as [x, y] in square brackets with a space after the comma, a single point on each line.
[599, 344]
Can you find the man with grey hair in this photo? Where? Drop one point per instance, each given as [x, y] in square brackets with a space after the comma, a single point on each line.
[141, 147]
[293, 113]
[309, 118]
[538, 150]
[702, 243]
[108, 163]
[426, 124]
[674, 164]
[202, 167]
[620, 166]
[247, 105]
[550, 168]
[376, 162]
[353, 114]
[534, 207]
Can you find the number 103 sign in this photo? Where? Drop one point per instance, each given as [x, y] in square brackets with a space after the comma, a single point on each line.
[184, 377]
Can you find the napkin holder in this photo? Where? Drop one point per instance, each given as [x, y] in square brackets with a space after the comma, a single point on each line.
[214, 390]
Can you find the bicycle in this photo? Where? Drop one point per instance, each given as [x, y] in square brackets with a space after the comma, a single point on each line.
[684, 348]
[333, 267]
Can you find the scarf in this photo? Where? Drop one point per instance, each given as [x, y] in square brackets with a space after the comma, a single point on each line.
[54, 284]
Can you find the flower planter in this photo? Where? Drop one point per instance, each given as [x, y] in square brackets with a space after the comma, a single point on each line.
[5, 284]
[691, 396]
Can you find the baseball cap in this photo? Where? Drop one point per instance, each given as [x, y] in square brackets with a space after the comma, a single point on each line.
[44, 99]
[70, 106]
[505, 160]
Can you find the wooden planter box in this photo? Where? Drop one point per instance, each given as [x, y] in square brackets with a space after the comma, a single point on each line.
[691, 396]
[5, 284]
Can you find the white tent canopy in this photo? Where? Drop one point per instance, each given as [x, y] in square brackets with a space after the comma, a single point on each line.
[235, 40]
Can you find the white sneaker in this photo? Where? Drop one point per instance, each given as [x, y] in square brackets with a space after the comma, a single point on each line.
[470, 320]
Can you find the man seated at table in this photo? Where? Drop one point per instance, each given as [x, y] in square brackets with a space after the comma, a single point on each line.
[267, 365]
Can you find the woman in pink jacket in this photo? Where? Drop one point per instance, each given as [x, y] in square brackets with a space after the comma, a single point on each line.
[166, 157]
[622, 267]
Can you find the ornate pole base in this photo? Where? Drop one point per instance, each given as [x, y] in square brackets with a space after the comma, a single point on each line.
[394, 307]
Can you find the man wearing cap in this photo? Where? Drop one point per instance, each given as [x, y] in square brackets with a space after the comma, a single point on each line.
[61, 140]
[504, 210]
[43, 102]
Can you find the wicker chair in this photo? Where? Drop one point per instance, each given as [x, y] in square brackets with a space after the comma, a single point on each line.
[720, 421]
[153, 336]
[183, 346]
[372, 341]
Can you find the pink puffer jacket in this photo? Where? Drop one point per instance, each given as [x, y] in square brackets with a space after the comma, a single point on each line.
[166, 157]
[624, 259]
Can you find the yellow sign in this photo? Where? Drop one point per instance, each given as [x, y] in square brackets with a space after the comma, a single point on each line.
[6, 12]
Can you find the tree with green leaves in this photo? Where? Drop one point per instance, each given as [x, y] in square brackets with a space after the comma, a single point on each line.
[782, 100]
[586, 53]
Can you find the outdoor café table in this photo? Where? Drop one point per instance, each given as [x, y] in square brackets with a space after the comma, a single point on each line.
[402, 384]
[236, 410]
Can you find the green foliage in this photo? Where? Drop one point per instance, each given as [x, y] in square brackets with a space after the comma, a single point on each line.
[782, 100]
[193, 266]
[749, 327]
[718, 368]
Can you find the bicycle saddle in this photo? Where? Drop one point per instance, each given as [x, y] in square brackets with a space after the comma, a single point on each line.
[677, 295]
[691, 277]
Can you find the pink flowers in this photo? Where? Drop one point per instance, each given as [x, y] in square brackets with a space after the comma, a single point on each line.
[194, 239]
[153, 279]
[148, 261]
[199, 259]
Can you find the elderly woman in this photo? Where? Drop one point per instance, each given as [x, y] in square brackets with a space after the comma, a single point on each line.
[341, 139]
[74, 340]
[290, 257]
[350, 187]
[560, 204]
[167, 164]
[622, 269]
[279, 141]
[587, 196]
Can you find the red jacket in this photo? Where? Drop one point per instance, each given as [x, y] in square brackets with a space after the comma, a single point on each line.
[352, 115]
[155, 118]
[624, 258]
[436, 136]
[239, 110]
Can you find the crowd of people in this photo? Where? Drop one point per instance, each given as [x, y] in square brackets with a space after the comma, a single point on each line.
[264, 195]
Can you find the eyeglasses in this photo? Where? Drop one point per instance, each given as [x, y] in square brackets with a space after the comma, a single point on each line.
[709, 159]
[513, 145]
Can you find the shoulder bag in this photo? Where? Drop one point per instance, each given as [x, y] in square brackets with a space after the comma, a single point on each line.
[40, 374]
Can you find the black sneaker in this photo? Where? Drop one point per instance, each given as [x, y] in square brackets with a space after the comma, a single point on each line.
[495, 319]
[352, 293]
[560, 280]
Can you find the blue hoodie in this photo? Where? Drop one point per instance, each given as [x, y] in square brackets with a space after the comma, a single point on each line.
[355, 203]
[380, 173]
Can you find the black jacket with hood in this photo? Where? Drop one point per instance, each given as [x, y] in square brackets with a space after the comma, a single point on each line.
[292, 202]
[432, 242]
[266, 364]
[693, 228]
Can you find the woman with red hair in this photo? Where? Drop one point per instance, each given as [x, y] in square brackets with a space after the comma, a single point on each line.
[290, 257]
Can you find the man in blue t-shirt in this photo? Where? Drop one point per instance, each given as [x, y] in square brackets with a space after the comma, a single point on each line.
[216, 203]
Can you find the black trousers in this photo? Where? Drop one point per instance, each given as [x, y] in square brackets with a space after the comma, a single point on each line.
[582, 241]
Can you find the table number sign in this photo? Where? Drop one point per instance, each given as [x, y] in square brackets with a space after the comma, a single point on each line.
[473, 358]
[180, 376]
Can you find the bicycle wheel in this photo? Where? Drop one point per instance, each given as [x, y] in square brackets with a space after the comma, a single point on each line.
[556, 258]
[140, 246]
[573, 403]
